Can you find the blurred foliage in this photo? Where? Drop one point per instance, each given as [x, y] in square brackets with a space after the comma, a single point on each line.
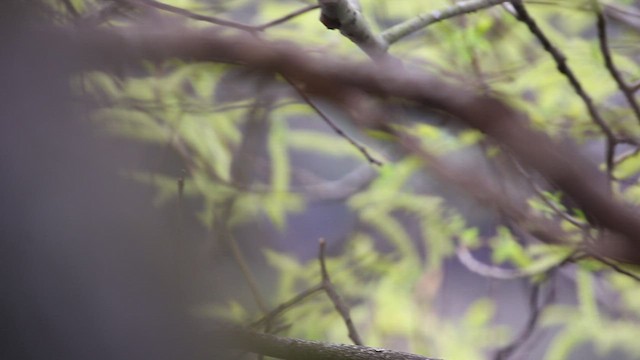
[237, 136]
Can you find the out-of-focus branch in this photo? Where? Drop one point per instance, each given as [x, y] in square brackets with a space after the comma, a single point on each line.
[535, 310]
[340, 306]
[218, 21]
[489, 271]
[408, 27]
[100, 15]
[186, 13]
[287, 17]
[558, 163]
[625, 15]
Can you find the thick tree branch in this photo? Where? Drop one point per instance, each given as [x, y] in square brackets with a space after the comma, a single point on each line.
[558, 163]
[297, 349]
[608, 59]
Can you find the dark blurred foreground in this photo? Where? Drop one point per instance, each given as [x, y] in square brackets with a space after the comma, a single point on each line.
[87, 269]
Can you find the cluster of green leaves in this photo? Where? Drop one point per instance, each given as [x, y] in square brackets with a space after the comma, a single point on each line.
[184, 106]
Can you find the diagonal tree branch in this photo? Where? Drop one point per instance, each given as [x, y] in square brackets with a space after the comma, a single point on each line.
[608, 59]
[186, 13]
[287, 17]
[340, 306]
[561, 61]
[363, 150]
[408, 27]
[560, 164]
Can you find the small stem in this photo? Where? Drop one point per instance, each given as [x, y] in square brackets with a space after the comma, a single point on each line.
[248, 275]
[332, 124]
[287, 17]
[340, 306]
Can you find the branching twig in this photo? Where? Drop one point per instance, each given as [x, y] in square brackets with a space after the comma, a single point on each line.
[246, 272]
[268, 317]
[345, 16]
[340, 306]
[339, 189]
[191, 15]
[561, 62]
[219, 21]
[608, 59]
[615, 267]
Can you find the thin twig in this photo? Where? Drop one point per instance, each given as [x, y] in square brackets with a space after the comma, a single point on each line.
[340, 306]
[192, 15]
[608, 59]
[535, 310]
[472, 264]
[540, 193]
[333, 125]
[397, 32]
[287, 17]
[615, 267]
[561, 61]
[534, 316]
[246, 272]
[268, 317]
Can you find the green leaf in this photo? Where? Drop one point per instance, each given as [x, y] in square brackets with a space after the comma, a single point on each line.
[480, 313]
[507, 249]
[628, 168]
